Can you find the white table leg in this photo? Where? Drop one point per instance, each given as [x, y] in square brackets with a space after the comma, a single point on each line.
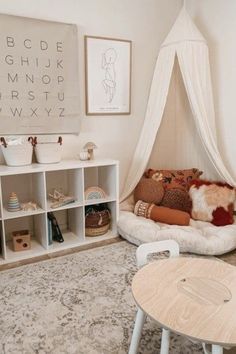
[217, 349]
[165, 341]
[206, 351]
[138, 326]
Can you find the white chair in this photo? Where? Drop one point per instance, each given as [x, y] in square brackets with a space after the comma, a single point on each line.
[141, 255]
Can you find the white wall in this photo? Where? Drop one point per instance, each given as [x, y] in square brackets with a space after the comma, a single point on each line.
[217, 21]
[146, 23]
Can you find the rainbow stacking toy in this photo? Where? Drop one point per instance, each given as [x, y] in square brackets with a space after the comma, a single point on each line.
[13, 203]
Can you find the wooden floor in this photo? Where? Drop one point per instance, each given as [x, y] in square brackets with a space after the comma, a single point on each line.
[60, 253]
[228, 257]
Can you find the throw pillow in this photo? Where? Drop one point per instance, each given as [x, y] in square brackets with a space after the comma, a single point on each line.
[161, 214]
[149, 191]
[212, 201]
[177, 199]
[174, 178]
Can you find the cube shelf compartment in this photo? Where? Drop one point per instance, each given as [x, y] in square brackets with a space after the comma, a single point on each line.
[65, 181]
[71, 223]
[28, 187]
[36, 224]
[104, 177]
[112, 229]
[34, 183]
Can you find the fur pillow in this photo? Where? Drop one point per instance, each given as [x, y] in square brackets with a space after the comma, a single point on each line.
[174, 178]
[212, 201]
[149, 191]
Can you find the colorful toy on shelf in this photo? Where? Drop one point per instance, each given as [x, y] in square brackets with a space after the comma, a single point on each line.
[29, 206]
[95, 193]
[59, 199]
[21, 240]
[13, 203]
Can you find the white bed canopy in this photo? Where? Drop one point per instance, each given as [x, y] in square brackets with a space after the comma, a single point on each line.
[185, 42]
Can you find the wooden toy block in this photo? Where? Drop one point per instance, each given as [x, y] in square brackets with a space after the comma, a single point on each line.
[21, 240]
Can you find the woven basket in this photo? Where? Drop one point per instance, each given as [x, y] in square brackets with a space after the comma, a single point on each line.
[96, 231]
[17, 155]
[97, 222]
[48, 152]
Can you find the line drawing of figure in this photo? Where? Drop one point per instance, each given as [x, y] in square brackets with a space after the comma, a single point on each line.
[108, 64]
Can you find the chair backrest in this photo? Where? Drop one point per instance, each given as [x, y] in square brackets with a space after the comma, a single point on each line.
[153, 247]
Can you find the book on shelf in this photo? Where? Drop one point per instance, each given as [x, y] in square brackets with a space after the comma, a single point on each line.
[54, 231]
[49, 232]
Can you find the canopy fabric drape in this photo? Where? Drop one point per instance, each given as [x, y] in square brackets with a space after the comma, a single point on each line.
[186, 42]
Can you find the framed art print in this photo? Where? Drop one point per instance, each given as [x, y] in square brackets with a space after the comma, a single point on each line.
[108, 75]
[39, 91]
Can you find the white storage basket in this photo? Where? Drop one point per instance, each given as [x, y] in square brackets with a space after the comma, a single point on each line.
[48, 152]
[17, 155]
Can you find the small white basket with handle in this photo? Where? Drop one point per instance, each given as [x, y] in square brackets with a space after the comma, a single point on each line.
[15, 153]
[48, 152]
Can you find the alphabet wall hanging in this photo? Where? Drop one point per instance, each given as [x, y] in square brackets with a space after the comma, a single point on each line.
[39, 80]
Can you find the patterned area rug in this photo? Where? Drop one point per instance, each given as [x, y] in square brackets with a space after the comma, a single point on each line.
[76, 304]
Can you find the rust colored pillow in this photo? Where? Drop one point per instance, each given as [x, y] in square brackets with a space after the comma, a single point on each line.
[177, 199]
[149, 191]
[161, 214]
[174, 178]
[212, 201]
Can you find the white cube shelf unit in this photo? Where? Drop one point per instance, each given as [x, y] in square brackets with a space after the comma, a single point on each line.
[34, 183]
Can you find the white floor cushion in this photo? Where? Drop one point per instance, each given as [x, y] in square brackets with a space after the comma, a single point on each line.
[200, 237]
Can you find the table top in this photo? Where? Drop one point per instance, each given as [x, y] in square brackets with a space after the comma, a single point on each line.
[194, 297]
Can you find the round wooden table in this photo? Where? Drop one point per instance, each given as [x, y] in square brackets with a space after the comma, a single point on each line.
[194, 297]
